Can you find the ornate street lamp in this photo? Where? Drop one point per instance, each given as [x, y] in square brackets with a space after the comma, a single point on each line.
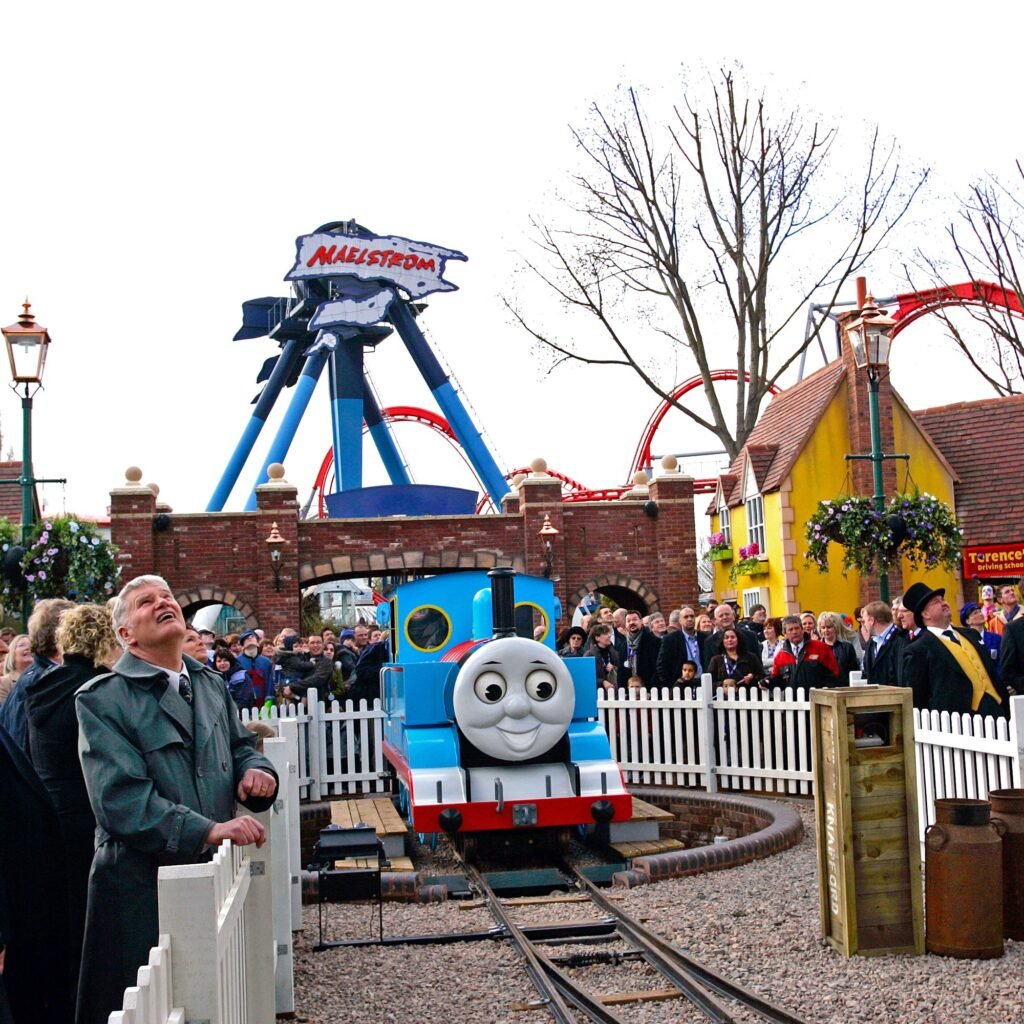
[274, 544]
[870, 338]
[547, 533]
[27, 343]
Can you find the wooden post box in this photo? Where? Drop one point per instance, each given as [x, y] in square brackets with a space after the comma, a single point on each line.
[865, 796]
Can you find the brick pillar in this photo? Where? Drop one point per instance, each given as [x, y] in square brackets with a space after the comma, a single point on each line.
[132, 508]
[540, 494]
[676, 536]
[277, 502]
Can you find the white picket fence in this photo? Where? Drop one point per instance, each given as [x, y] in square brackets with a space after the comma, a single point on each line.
[966, 755]
[340, 747]
[225, 949]
[724, 740]
[758, 741]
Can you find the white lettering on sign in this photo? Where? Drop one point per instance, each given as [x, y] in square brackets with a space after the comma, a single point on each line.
[832, 857]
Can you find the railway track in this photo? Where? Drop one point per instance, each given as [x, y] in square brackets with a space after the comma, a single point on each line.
[715, 996]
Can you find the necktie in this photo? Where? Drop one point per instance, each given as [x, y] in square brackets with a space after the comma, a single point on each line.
[950, 635]
[185, 688]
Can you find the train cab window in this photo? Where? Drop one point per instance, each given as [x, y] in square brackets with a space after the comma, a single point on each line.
[428, 628]
[529, 617]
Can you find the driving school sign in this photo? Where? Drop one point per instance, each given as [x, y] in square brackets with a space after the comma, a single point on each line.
[994, 560]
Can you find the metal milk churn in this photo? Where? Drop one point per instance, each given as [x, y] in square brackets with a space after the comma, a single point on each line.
[963, 882]
[1008, 818]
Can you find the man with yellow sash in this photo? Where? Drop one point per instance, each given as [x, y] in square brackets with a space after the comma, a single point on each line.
[948, 668]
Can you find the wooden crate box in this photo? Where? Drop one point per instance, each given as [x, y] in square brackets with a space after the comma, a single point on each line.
[865, 795]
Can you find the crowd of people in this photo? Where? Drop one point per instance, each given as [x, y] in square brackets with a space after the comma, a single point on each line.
[121, 746]
[256, 669]
[971, 667]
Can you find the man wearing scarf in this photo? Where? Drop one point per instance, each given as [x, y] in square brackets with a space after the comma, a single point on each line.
[641, 651]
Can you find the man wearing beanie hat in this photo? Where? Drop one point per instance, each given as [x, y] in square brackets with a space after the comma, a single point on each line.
[949, 669]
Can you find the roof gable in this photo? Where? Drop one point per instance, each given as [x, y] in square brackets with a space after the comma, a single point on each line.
[784, 428]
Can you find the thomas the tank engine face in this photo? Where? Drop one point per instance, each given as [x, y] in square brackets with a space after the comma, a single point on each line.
[513, 698]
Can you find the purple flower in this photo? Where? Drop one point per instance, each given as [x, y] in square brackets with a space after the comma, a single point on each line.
[42, 575]
[31, 579]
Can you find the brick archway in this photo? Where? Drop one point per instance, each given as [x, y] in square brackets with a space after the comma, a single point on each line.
[644, 591]
[388, 563]
[203, 596]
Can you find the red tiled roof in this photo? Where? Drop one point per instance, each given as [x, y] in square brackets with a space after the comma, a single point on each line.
[783, 430]
[982, 441]
[10, 494]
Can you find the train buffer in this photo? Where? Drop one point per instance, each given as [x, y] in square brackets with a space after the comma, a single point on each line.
[380, 814]
[641, 835]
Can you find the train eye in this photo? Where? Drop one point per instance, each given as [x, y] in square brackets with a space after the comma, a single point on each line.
[490, 687]
[541, 685]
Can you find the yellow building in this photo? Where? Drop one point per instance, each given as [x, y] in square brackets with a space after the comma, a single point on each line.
[794, 458]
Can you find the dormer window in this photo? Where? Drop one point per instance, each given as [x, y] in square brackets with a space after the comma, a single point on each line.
[755, 522]
[725, 524]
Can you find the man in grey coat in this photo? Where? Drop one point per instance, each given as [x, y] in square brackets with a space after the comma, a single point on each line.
[165, 760]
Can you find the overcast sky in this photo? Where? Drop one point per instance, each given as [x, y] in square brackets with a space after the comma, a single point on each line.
[160, 161]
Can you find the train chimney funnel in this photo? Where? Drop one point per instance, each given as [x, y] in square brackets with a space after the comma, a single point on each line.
[503, 601]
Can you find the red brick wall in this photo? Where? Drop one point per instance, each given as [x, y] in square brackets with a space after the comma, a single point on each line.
[224, 557]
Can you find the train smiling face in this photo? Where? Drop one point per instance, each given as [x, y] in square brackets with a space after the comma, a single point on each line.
[513, 698]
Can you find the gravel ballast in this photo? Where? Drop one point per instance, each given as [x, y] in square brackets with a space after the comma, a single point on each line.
[758, 924]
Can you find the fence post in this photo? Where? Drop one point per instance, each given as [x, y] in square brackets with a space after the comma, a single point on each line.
[1017, 735]
[258, 923]
[706, 733]
[188, 913]
[316, 744]
[288, 730]
[284, 971]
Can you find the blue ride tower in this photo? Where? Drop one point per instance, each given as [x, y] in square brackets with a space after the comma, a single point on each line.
[351, 289]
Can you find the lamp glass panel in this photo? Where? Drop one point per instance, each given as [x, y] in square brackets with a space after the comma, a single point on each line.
[26, 353]
[878, 346]
[857, 343]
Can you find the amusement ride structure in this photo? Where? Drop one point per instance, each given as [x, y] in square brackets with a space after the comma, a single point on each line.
[351, 289]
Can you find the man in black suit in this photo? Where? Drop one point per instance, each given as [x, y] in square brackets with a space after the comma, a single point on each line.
[1011, 656]
[682, 644]
[883, 657]
[949, 669]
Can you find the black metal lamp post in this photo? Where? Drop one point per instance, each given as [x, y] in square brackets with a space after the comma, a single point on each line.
[27, 343]
[870, 337]
[274, 544]
[547, 533]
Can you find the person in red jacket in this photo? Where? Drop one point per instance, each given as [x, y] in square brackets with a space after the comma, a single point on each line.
[803, 662]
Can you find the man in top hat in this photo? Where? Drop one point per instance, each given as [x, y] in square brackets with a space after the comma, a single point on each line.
[949, 669]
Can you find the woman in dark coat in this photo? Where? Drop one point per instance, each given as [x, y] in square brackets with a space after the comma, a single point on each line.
[89, 646]
[601, 648]
[734, 666]
[36, 985]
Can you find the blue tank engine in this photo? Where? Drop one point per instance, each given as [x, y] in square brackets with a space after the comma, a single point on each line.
[486, 727]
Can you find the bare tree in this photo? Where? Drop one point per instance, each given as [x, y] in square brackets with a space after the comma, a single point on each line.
[677, 229]
[988, 247]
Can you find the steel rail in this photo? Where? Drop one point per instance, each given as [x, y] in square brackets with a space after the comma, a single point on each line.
[674, 963]
[554, 985]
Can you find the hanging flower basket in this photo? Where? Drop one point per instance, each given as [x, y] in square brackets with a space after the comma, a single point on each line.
[917, 527]
[68, 558]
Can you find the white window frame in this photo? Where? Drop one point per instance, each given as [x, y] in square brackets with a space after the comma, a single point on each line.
[752, 596]
[755, 522]
[725, 523]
